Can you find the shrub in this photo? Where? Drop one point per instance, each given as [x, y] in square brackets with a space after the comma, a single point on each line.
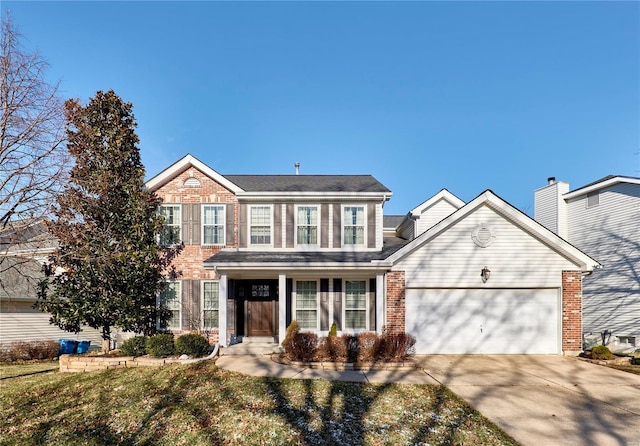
[351, 347]
[27, 350]
[368, 346]
[135, 346]
[396, 346]
[192, 344]
[302, 347]
[333, 331]
[332, 348]
[601, 352]
[160, 345]
[292, 330]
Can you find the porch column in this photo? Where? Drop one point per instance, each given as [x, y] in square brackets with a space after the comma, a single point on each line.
[381, 297]
[282, 307]
[222, 308]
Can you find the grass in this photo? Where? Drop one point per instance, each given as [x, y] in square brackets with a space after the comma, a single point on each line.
[27, 368]
[200, 404]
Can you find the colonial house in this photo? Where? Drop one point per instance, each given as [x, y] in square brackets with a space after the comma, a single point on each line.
[263, 250]
[602, 219]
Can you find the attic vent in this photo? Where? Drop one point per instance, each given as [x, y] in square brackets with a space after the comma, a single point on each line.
[482, 235]
[593, 199]
[192, 182]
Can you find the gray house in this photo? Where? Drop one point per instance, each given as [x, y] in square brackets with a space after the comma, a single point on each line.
[603, 220]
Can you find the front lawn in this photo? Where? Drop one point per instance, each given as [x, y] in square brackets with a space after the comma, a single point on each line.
[200, 404]
[27, 368]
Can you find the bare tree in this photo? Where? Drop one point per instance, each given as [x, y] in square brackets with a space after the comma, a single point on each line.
[33, 156]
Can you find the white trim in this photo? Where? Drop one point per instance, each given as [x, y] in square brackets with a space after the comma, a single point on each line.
[224, 223]
[294, 295]
[202, 309]
[600, 185]
[445, 195]
[181, 165]
[222, 312]
[295, 226]
[488, 198]
[282, 307]
[381, 298]
[271, 223]
[350, 246]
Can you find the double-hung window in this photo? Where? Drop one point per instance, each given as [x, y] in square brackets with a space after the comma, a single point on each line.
[213, 219]
[170, 234]
[210, 304]
[355, 304]
[170, 299]
[260, 225]
[353, 221]
[307, 303]
[307, 223]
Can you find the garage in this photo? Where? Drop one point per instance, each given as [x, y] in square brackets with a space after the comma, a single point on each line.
[484, 320]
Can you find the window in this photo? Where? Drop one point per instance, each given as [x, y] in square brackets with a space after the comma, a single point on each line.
[355, 304]
[210, 304]
[593, 199]
[307, 303]
[213, 219]
[260, 225]
[170, 299]
[353, 222]
[307, 225]
[171, 230]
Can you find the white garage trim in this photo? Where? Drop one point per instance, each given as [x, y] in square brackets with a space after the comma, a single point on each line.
[484, 321]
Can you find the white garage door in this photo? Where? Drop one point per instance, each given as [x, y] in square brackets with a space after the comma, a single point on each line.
[484, 321]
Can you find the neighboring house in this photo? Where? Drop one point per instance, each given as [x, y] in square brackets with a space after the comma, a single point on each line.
[603, 220]
[24, 248]
[263, 250]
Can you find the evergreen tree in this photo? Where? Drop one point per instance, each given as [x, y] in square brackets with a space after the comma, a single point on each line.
[109, 267]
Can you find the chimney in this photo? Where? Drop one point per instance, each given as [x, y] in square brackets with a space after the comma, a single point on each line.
[551, 180]
[297, 168]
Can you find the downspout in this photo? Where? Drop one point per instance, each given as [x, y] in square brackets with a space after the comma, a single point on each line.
[213, 354]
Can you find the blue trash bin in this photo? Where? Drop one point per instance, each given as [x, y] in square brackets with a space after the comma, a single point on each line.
[67, 346]
[83, 346]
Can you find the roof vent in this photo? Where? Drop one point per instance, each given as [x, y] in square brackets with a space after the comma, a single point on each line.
[551, 180]
[297, 168]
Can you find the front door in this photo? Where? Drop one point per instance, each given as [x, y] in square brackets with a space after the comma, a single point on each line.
[260, 318]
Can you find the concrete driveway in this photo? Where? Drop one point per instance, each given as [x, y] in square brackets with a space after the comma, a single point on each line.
[546, 400]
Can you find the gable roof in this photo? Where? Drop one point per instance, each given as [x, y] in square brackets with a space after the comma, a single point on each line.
[520, 219]
[445, 195]
[392, 221]
[602, 183]
[308, 183]
[183, 164]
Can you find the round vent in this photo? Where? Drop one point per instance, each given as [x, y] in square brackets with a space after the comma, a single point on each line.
[483, 235]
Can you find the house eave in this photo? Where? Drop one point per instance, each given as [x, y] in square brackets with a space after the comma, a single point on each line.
[602, 185]
[342, 196]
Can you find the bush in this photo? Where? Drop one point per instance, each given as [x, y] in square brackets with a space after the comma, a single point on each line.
[302, 347]
[350, 342]
[160, 345]
[135, 346]
[396, 346]
[368, 346]
[192, 344]
[292, 330]
[333, 331]
[332, 348]
[601, 352]
[28, 350]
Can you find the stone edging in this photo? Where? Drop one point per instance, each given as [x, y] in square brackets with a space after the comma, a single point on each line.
[341, 366]
[84, 363]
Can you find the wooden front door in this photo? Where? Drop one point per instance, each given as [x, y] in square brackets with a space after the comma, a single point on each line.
[260, 318]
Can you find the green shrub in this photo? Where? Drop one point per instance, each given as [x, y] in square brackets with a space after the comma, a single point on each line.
[192, 344]
[292, 330]
[333, 331]
[601, 352]
[160, 345]
[135, 346]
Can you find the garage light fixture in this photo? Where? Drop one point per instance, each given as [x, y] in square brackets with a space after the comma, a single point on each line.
[485, 274]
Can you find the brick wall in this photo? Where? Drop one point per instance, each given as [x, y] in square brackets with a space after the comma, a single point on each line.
[395, 302]
[571, 311]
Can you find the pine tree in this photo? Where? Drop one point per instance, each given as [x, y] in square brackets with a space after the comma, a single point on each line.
[108, 268]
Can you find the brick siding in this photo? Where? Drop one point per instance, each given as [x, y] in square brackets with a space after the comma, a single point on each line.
[571, 311]
[396, 308]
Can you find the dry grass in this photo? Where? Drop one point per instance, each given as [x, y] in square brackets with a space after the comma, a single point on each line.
[200, 404]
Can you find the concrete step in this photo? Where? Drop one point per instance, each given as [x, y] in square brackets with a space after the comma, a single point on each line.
[253, 348]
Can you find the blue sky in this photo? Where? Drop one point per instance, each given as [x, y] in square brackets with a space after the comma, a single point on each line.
[466, 96]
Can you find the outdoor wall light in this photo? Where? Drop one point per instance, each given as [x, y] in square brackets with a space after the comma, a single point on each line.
[485, 274]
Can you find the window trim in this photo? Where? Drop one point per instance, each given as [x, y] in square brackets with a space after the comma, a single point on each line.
[178, 206]
[159, 303]
[224, 223]
[317, 225]
[271, 224]
[202, 307]
[342, 226]
[344, 306]
[294, 302]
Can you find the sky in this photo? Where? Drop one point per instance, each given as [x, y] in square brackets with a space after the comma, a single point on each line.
[466, 96]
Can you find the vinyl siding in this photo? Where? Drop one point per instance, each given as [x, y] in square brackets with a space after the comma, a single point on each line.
[515, 258]
[20, 322]
[434, 214]
[550, 209]
[610, 233]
